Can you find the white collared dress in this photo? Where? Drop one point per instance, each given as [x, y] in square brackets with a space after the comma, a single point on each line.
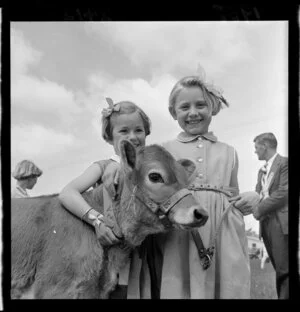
[182, 276]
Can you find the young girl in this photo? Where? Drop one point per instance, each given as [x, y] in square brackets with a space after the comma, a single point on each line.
[181, 275]
[26, 173]
[123, 120]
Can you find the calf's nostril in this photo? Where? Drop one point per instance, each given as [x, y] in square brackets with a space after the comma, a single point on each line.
[198, 214]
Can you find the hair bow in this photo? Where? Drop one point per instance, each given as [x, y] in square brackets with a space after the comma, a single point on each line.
[217, 92]
[106, 112]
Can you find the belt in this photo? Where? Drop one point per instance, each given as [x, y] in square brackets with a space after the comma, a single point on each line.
[226, 190]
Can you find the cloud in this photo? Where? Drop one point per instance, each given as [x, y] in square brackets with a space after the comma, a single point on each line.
[151, 97]
[37, 142]
[170, 46]
[42, 96]
[23, 54]
[38, 99]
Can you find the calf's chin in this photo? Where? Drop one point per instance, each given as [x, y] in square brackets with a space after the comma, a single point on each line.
[134, 236]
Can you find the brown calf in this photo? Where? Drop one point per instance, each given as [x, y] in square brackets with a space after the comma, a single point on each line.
[56, 255]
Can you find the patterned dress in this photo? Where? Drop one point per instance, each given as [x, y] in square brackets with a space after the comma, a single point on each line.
[104, 165]
[182, 276]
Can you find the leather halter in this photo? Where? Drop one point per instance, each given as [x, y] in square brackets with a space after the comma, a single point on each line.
[206, 254]
[160, 209]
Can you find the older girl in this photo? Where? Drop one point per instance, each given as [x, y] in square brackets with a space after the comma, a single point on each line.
[176, 264]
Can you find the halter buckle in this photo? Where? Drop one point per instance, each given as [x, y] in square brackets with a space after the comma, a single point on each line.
[164, 219]
[206, 257]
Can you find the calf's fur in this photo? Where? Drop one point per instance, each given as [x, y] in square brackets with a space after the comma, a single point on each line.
[55, 255]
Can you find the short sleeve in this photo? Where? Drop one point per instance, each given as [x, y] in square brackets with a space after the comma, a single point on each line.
[102, 165]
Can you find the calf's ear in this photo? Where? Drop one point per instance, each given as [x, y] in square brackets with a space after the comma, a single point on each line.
[128, 154]
[188, 165]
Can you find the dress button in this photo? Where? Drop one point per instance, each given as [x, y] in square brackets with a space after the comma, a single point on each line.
[200, 139]
[200, 159]
[200, 175]
[200, 145]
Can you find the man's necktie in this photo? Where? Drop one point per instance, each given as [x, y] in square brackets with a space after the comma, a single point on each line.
[263, 181]
[264, 176]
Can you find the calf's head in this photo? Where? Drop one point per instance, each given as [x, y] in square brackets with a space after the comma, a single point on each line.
[155, 194]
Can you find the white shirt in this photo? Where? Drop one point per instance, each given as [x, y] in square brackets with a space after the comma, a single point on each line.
[270, 162]
[266, 179]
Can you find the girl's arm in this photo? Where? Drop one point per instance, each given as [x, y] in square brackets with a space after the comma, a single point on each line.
[246, 201]
[71, 197]
[73, 201]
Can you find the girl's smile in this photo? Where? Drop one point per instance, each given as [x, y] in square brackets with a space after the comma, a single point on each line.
[128, 127]
[193, 122]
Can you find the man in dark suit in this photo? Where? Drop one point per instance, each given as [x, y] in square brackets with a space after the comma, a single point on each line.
[272, 211]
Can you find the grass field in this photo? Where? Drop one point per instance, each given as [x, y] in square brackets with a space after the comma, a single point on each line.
[262, 281]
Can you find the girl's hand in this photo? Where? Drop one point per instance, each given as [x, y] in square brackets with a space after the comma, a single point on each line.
[105, 235]
[245, 202]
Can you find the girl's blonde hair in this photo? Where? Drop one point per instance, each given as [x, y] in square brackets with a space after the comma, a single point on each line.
[211, 95]
[120, 108]
[26, 169]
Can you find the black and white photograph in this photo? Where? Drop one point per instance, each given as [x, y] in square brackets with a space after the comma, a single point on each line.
[149, 159]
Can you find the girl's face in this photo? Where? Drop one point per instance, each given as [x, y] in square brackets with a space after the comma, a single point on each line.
[192, 112]
[128, 127]
[31, 183]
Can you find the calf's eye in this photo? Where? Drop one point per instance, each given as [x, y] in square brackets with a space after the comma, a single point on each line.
[155, 177]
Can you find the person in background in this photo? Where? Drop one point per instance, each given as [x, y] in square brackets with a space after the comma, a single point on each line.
[26, 173]
[272, 211]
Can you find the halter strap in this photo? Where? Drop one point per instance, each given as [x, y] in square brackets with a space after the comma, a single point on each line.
[226, 190]
[162, 209]
[167, 205]
[206, 254]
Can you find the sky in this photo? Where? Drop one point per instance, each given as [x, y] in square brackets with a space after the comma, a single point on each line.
[62, 71]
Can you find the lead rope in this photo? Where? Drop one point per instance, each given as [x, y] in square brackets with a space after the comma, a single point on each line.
[206, 254]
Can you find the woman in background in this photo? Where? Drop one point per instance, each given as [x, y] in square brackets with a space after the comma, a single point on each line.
[26, 174]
